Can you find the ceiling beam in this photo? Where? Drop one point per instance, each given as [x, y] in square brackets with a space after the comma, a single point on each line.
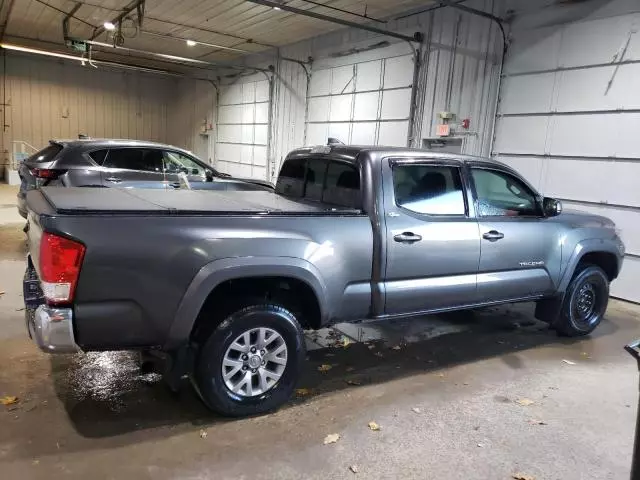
[417, 37]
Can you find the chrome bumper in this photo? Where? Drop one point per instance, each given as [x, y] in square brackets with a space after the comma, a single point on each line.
[52, 329]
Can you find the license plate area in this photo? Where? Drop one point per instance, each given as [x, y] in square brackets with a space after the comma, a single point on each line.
[31, 291]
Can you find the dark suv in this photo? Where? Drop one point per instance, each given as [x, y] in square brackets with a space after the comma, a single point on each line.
[123, 164]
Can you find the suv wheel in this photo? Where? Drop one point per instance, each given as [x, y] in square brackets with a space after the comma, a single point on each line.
[251, 362]
[585, 302]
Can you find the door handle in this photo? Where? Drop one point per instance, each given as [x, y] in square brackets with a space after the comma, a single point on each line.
[493, 236]
[113, 179]
[175, 184]
[407, 237]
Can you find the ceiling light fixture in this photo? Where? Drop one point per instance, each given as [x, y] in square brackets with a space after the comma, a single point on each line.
[109, 26]
[191, 43]
[277, 8]
[18, 48]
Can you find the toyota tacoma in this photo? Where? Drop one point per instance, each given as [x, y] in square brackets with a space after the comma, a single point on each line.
[224, 283]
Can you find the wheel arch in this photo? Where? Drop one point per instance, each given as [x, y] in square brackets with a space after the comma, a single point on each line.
[216, 273]
[602, 253]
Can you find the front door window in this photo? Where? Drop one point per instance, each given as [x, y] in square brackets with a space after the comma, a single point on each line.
[500, 194]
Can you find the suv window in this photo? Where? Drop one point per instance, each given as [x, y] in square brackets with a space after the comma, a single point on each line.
[146, 160]
[502, 194]
[429, 189]
[175, 162]
[46, 154]
[98, 156]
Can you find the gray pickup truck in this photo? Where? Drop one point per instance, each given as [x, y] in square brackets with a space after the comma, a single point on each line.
[225, 282]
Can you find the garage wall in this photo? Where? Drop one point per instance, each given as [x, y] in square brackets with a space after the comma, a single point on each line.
[44, 98]
[461, 62]
[191, 109]
[569, 112]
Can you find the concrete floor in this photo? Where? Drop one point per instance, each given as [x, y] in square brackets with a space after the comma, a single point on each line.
[451, 393]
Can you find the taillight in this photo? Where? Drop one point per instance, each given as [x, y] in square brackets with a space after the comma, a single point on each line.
[47, 173]
[60, 262]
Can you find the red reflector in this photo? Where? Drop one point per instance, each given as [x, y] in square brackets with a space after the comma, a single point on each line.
[60, 262]
[45, 173]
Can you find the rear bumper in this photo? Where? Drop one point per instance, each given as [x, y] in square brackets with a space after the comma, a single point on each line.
[52, 329]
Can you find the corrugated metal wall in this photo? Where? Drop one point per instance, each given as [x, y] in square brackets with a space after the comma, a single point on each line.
[569, 115]
[44, 99]
[461, 74]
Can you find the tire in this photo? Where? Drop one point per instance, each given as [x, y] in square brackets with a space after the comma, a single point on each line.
[584, 303]
[215, 391]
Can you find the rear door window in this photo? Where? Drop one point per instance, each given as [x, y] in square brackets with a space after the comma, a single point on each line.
[99, 156]
[429, 189]
[145, 160]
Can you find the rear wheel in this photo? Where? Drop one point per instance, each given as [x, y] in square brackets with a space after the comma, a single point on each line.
[585, 302]
[251, 362]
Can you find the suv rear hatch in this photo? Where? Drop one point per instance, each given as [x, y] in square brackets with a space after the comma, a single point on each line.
[38, 169]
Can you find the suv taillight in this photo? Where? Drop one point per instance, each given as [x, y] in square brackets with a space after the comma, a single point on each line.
[60, 261]
[46, 173]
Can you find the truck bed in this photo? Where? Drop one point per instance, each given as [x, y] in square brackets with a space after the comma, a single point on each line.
[116, 201]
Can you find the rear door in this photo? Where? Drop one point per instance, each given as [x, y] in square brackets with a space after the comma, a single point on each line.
[134, 168]
[432, 240]
[520, 251]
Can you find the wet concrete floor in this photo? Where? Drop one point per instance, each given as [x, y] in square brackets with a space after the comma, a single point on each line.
[475, 395]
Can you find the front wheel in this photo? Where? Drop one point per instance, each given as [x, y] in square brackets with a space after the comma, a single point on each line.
[251, 362]
[585, 302]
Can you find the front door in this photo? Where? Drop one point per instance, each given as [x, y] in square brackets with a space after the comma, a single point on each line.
[519, 253]
[133, 168]
[432, 243]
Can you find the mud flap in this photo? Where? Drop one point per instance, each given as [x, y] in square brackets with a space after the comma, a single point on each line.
[548, 310]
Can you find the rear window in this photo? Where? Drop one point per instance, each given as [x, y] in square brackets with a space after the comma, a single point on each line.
[334, 183]
[46, 154]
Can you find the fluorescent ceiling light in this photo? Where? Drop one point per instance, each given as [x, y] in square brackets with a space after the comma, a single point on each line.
[191, 43]
[109, 26]
[277, 8]
[19, 48]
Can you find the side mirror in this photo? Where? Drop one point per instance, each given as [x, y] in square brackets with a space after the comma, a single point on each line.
[209, 175]
[551, 207]
[195, 171]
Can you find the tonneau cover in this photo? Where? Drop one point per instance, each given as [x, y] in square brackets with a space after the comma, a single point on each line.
[84, 201]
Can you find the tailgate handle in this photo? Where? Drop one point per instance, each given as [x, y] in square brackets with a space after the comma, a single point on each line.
[113, 179]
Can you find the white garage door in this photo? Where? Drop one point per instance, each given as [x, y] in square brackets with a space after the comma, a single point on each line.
[243, 126]
[360, 99]
[570, 118]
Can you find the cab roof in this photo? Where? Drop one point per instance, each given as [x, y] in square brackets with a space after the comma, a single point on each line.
[353, 153]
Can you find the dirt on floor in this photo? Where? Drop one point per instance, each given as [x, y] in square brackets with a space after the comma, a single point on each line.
[489, 394]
